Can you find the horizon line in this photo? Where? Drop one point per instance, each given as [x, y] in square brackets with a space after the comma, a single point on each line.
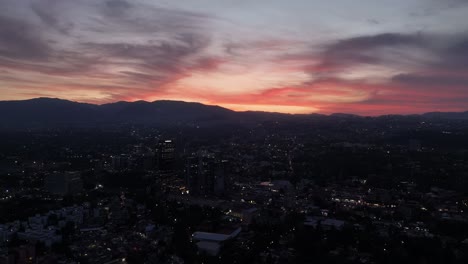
[227, 108]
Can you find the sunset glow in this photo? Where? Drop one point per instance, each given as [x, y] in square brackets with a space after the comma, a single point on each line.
[399, 57]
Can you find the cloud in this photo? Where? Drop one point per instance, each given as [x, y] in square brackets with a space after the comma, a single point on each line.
[138, 64]
[430, 51]
[117, 7]
[45, 10]
[424, 72]
[365, 50]
[20, 40]
[373, 21]
[454, 55]
[136, 17]
[101, 51]
[156, 63]
[439, 80]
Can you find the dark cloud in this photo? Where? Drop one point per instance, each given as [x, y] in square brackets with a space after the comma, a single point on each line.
[455, 55]
[414, 52]
[164, 56]
[132, 17]
[373, 21]
[365, 49]
[58, 63]
[152, 64]
[118, 4]
[207, 63]
[238, 48]
[21, 40]
[420, 80]
[50, 18]
[173, 44]
[437, 7]
[138, 76]
[117, 7]
[375, 41]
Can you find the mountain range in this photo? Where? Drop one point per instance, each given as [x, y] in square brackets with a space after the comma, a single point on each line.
[52, 111]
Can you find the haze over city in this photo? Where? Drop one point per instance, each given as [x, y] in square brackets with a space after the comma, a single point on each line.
[361, 57]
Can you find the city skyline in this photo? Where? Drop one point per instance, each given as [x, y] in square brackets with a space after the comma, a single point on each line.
[394, 57]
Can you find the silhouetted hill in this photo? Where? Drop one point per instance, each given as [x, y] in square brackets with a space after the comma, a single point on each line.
[163, 112]
[46, 112]
[343, 115]
[447, 115]
[50, 111]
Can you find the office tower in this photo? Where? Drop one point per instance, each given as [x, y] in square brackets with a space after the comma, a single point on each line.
[205, 174]
[166, 155]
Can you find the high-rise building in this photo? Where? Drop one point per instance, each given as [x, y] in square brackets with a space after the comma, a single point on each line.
[206, 174]
[120, 162]
[63, 183]
[166, 155]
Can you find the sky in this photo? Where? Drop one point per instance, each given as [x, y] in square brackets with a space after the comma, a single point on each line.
[299, 56]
